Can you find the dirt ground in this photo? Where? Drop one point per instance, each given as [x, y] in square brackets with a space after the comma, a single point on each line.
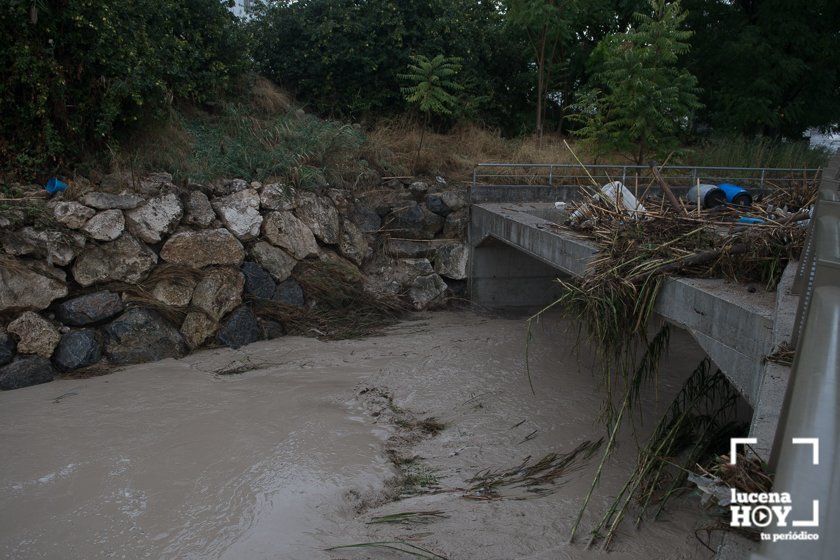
[285, 448]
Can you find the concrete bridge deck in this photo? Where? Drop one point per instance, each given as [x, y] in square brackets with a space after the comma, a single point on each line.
[517, 252]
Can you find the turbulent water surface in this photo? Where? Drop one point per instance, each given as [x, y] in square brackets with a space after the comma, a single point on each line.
[255, 453]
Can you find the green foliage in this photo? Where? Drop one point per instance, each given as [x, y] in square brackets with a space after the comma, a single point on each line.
[77, 72]
[344, 57]
[766, 67]
[236, 141]
[640, 100]
[430, 84]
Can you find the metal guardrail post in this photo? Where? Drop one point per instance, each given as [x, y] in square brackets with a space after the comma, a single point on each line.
[809, 472]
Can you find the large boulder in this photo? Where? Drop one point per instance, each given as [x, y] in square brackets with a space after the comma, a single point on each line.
[409, 248]
[56, 247]
[199, 211]
[89, 308]
[413, 221]
[25, 371]
[71, 214]
[276, 261]
[320, 215]
[78, 349]
[111, 201]
[456, 224]
[285, 230]
[219, 292]
[7, 347]
[277, 196]
[30, 285]
[125, 259]
[174, 292]
[352, 243]
[202, 248]
[106, 225]
[155, 219]
[142, 335]
[239, 328]
[259, 284]
[240, 212]
[197, 327]
[35, 334]
[426, 290]
[446, 202]
[290, 293]
[366, 218]
[451, 261]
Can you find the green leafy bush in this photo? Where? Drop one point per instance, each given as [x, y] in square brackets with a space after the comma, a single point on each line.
[77, 72]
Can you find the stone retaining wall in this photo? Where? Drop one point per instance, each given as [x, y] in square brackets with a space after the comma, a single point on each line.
[88, 276]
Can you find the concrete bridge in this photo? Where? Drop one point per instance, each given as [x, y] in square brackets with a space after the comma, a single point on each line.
[517, 252]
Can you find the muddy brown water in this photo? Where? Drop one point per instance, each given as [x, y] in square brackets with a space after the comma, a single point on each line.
[179, 460]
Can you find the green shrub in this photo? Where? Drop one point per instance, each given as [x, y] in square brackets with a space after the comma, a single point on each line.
[78, 72]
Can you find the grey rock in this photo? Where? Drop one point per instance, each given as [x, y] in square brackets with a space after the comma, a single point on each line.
[197, 327]
[89, 308]
[425, 290]
[35, 334]
[125, 259]
[106, 225]
[202, 248]
[366, 218]
[219, 292]
[78, 349]
[456, 224]
[446, 202]
[352, 243]
[25, 371]
[30, 286]
[175, 293]
[110, 201]
[240, 212]
[451, 261]
[231, 186]
[199, 211]
[290, 293]
[418, 190]
[155, 219]
[239, 328]
[259, 284]
[283, 229]
[277, 196]
[142, 335]
[276, 261]
[72, 214]
[414, 221]
[56, 247]
[7, 348]
[410, 248]
[320, 215]
[271, 329]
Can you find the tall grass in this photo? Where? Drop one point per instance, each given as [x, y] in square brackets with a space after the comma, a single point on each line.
[738, 151]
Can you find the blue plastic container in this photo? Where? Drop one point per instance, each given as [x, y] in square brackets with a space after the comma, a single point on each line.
[735, 194]
[55, 185]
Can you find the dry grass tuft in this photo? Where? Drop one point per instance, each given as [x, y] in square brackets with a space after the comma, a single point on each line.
[455, 153]
[267, 97]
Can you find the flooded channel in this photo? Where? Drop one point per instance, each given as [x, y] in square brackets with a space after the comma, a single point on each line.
[273, 452]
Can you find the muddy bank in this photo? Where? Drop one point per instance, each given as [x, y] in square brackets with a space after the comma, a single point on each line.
[275, 451]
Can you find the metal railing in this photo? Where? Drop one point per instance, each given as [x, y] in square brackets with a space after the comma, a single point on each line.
[569, 174]
[812, 403]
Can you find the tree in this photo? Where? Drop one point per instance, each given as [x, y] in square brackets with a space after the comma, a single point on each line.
[544, 23]
[430, 87]
[766, 67]
[640, 99]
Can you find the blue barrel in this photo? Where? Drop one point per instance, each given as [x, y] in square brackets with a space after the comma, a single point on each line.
[736, 195]
[55, 185]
